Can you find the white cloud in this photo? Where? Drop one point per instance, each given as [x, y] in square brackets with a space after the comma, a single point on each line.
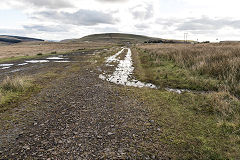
[60, 19]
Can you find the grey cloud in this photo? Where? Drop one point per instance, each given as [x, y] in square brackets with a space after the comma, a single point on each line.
[81, 17]
[142, 26]
[53, 4]
[105, 29]
[42, 28]
[112, 1]
[203, 24]
[142, 12]
[206, 23]
[5, 31]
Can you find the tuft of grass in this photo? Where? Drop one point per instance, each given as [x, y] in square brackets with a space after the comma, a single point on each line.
[15, 89]
[16, 84]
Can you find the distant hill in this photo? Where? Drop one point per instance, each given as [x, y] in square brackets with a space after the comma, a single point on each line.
[6, 39]
[114, 38]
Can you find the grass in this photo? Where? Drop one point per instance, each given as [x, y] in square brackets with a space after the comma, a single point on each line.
[166, 74]
[14, 90]
[193, 125]
[217, 61]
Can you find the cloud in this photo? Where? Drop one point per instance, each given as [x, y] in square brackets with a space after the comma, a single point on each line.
[105, 29]
[27, 4]
[142, 11]
[206, 23]
[42, 28]
[113, 1]
[199, 25]
[54, 4]
[10, 31]
[81, 17]
[142, 26]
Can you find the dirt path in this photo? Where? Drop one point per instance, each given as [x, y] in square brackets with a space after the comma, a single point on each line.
[83, 117]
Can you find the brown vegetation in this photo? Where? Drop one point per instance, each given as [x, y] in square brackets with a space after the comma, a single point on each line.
[220, 61]
[34, 48]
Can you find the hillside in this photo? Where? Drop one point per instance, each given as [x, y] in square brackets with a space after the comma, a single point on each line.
[6, 39]
[114, 38]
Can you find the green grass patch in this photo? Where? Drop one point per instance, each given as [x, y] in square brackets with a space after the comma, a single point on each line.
[193, 126]
[165, 73]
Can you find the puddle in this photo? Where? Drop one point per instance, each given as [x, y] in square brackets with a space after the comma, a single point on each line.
[6, 65]
[123, 72]
[179, 91]
[22, 64]
[114, 57]
[55, 58]
[19, 67]
[16, 70]
[61, 61]
[37, 61]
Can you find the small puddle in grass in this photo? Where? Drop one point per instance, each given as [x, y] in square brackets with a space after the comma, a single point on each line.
[179, 91]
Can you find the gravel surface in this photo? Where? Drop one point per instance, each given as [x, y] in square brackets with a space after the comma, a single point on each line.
[82, 117]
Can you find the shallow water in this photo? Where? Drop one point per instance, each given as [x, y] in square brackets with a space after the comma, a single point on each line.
[179, 91]
[114, 57]
[123, 72]
[61, 61]
[22, 64]
[6, 65]
[37, 61]
[55, 58]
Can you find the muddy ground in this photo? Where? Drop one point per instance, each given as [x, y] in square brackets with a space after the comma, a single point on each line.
[78, 116]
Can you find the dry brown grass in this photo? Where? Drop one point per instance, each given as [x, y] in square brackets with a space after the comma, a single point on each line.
[220, 61]
[34, 48]
[14, 89]
[17, 84]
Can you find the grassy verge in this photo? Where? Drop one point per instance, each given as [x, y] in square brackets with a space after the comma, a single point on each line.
[15, 90]
[166, 73]
[193, 126]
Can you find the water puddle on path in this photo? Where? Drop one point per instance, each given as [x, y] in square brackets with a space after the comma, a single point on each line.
[123, 72]
[61, 61]
[5, 66]
[37, 61]
[57, 59]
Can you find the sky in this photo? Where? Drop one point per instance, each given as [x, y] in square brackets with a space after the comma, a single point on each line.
[202, 20]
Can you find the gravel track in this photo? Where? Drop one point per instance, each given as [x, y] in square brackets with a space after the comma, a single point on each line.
[83, 117]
